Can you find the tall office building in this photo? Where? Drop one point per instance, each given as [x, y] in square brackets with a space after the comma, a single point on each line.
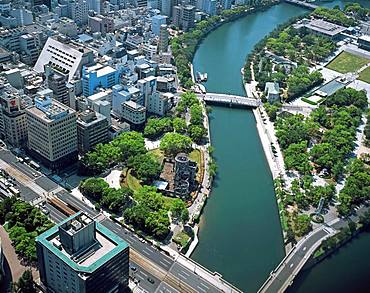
[52, 132]
[226, 4]
[13, 120]
[92, 128]
[166, 7]
[188, 17]
[79, 10]
[57, 82]
[163, 39]
[210, 7]
[95, 5]
[80, 255]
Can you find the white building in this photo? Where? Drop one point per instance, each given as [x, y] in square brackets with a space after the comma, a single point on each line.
[159, 103]
[52, 132]
[133, 113]
[66, 57]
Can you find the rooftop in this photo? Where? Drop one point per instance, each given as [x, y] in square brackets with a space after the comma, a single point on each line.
[107, 245]
[325, 27]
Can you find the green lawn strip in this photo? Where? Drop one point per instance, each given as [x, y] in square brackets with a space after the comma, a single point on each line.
[346, 62]
[365, 75]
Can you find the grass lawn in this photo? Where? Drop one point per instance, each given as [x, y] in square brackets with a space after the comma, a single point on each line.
[158, 153]
[346, 62]
[181, 238]
[195, 156]
[365, 75]
[132, 182]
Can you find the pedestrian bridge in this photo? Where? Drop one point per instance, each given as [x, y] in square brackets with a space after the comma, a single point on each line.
[229, 100]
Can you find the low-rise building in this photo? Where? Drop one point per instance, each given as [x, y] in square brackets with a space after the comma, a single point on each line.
[272, 91]
[134, 114]
[364, 42]
[323, 28]
[80, 255]
[98, 76]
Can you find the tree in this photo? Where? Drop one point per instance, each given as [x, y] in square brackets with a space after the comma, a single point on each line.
[155, 127]
[116, 199]
[130, 143]
[146, 166]
[179, 210]
[302, 225]
[179, 124]
[25, 283]
[197, 133]
[93, 187]
[174, 143]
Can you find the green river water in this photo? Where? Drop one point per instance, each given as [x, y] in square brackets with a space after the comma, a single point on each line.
[240, 233]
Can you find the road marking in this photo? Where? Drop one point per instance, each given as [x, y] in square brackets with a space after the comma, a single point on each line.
[204, 285]
[165, 264]
[144, 274]
[201, 289]
[167, 261]
[147, 253]
[185, 273]
[182, 276]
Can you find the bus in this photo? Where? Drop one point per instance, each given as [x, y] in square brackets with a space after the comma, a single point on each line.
[34, 165]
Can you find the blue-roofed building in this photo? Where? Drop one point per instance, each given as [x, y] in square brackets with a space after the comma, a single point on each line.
[98, 76]
[157, 21]
[80, 255]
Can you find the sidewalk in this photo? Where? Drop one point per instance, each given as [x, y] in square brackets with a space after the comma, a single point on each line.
[11, 258]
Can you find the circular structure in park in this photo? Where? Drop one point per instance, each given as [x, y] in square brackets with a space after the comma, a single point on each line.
[317, 218]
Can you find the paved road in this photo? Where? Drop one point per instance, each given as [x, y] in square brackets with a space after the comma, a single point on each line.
[151, 258]
[290, 266]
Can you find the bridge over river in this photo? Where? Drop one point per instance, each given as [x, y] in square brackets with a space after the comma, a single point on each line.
[229, 100]
[283, 275]
[302, 3]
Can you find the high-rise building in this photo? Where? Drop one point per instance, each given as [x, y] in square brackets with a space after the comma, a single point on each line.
[166, 7]
[13, 120]
[226, 4]
[52, 132]
[157, 21]
[141, 3]
[147, 87]
[95, 5]
[210, 7]
[92, 128]
[57, 81]
[176, 15]
[188, 17]
[80, 255]
[79, 10]
[163, 39]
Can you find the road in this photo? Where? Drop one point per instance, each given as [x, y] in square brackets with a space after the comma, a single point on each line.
[148, 260]
[289, 267]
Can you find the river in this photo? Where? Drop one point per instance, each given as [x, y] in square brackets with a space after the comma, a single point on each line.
[240, 234]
